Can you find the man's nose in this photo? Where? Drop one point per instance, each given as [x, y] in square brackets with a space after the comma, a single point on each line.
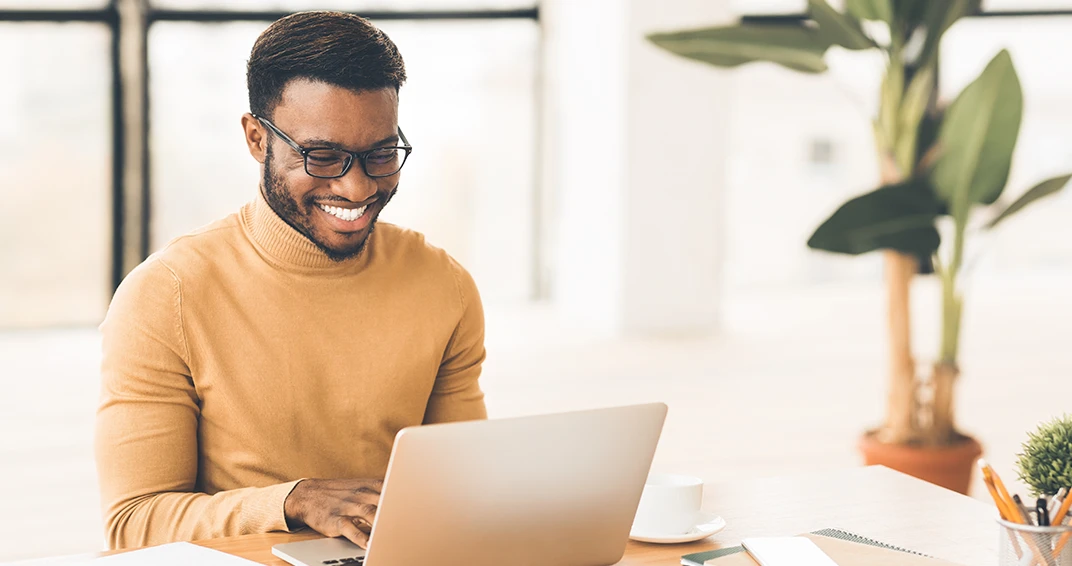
[355, 185]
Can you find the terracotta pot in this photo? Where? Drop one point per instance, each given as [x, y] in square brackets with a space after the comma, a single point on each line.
[948, 466]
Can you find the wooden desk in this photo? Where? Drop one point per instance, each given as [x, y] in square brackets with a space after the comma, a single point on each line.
[875, 502]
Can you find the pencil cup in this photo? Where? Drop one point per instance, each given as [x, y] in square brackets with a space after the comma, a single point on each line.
[1027, 545]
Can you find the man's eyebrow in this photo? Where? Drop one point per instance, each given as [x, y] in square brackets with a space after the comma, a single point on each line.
[314, 143]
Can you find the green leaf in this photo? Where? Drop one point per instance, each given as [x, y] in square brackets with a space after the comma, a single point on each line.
[890, 103]
[839, 29]
[1043, 189]
[939, 17]
[899, 217]
[913, 106]
[977, 138]
[879, 10]
[792, 46]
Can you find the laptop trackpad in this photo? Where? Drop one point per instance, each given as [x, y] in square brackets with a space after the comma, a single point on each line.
[321, 552]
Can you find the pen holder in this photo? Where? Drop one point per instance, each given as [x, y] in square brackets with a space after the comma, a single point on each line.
[1027, 545]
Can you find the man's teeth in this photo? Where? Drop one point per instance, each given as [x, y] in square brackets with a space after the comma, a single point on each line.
[347, 214]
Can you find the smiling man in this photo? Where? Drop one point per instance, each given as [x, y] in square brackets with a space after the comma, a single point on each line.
[256, 371]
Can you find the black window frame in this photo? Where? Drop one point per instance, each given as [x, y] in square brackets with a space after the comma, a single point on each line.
[112, 16]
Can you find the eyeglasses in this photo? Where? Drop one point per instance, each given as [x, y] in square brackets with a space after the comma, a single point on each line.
[332, 163]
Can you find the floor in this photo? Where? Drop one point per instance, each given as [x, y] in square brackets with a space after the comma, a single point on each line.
[785, 387]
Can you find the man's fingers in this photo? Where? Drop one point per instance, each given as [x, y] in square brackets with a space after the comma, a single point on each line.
[360, 510]
[351, 532]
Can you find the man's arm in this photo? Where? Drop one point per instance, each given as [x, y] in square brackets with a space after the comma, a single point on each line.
[146, 437]
[456, 395]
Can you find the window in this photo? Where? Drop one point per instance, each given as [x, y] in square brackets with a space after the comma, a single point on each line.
[350, 5]
[50, 4]
[470, 187]
[55, 174]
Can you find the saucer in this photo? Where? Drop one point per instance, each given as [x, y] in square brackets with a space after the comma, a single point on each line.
[709, 525]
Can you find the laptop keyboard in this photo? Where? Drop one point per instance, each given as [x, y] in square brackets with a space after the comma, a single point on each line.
[356, 560]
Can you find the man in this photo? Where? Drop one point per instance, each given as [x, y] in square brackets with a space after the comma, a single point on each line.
[287, 341]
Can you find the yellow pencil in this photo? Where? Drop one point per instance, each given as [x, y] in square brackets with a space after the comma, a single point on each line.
[1002, 491]
[1061, 544]
[1007, 509]
[1059, 516]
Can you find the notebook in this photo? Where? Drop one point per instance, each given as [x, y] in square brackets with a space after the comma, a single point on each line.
[846, 548]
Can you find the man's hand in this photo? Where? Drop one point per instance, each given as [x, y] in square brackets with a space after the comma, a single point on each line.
[335, 507]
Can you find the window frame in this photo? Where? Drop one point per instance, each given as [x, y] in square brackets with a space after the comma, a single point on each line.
[128, 23]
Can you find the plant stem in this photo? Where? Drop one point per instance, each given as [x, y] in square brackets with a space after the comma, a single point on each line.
[901, 402]
[945, 372]
[952, 302]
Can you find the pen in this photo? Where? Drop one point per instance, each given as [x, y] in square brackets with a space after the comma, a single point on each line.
[1056, 501]
[1042, 513]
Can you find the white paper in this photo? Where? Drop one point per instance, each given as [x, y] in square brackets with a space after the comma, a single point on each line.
[174, 554]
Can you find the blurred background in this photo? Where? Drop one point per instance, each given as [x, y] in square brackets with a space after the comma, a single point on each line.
[636, 222]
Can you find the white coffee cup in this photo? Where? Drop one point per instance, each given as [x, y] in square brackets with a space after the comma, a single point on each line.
[669, 505]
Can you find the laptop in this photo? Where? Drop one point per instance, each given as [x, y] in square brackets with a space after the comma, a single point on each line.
[547, 490]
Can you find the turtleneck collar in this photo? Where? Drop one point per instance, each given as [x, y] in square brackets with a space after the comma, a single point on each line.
[287, 247]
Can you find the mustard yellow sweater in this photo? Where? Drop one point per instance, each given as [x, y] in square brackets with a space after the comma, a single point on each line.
[241, 359]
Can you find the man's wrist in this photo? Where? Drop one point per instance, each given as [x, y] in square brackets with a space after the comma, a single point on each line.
[292, 507]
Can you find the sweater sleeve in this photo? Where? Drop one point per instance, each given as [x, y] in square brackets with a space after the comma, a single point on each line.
[146, 432]
[456, 395]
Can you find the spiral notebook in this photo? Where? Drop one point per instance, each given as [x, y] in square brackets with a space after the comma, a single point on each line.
[846, 548]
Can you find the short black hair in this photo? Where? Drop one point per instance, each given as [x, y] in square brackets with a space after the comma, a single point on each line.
[331, 47]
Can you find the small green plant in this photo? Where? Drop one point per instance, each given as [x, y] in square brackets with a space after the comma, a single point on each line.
[1045, 464]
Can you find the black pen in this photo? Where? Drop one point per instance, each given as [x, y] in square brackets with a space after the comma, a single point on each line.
[1043, 512]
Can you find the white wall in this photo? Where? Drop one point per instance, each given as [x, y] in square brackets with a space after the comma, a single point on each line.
[635, 142]
[584, 74]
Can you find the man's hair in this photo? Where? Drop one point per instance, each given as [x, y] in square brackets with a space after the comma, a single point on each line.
[330, 47]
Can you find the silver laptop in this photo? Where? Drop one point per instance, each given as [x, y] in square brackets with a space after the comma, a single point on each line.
[548, 490]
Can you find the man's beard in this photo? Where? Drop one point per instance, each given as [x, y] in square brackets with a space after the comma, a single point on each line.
[278, 196]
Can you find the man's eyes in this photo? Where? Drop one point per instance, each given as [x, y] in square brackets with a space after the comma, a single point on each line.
[383, 156]
[325, 157]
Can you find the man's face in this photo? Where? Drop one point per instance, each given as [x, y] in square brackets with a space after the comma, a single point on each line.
[326, 211]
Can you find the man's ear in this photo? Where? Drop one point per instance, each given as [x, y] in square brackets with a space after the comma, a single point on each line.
[256, 137]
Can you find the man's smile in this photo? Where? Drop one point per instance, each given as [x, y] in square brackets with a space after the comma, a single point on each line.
[349, 217]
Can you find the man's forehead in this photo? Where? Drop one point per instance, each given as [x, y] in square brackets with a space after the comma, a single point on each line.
[322, 111]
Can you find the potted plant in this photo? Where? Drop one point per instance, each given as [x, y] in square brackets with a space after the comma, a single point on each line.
[940, 166]
[1045, 462]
